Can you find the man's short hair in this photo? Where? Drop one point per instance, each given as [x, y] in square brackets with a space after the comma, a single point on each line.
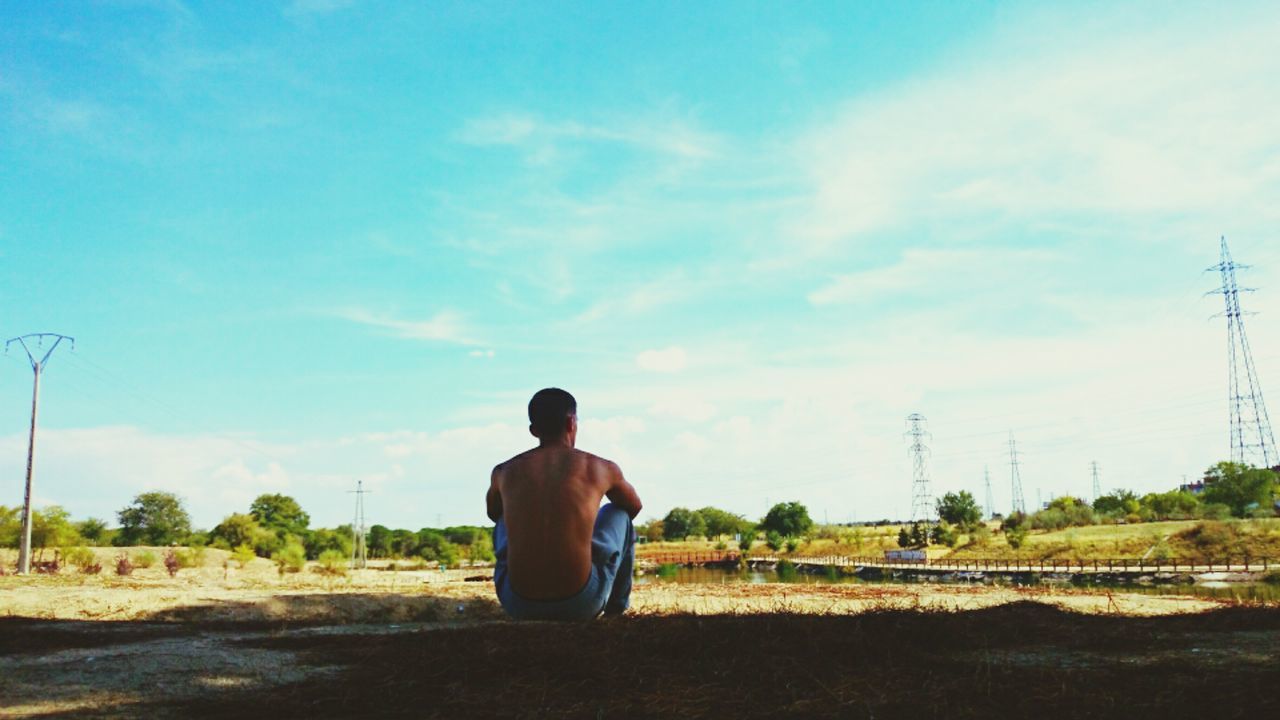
[548, 410]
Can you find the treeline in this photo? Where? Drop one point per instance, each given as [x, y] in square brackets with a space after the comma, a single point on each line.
[275, 527]
[782, 526]
[1229, 490]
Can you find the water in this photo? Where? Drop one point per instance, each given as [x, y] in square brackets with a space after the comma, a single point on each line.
[678, 574]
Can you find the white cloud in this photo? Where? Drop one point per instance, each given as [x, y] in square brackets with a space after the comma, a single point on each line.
[666, 360]
[1098, 119]
[664, 134]
[956, 273]
[444, 326]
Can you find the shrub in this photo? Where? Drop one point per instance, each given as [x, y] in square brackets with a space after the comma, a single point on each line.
[144, 559]
[332, 563]
[172, 563]
[243, 554]
[745, 542]
[980, 535]
[720, 545]
[290, 559]
[1215, 511]
[124, 567]
[79, 557]
[774, 540]
[792, 544]
[186, 557]
[1016, 536]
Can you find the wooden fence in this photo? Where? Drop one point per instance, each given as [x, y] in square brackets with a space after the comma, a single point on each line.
[1108, 565]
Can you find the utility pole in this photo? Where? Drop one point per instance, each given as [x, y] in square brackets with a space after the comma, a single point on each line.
[1097, 484]
[359, 554]
[921, 502]
[37, 368]
[991, 503]
[1019, 504]
[1251, 439]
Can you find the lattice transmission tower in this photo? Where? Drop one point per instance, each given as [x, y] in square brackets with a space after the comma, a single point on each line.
[1019, 504]
[1252, 442]
[991, 499]
[922, 508]
[359, 553]
[1097, 484]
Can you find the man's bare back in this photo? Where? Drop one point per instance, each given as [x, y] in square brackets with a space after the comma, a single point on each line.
[548, 498]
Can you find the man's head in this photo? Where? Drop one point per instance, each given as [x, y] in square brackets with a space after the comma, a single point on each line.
[553, 415]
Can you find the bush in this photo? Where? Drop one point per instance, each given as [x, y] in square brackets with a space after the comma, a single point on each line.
[745, 542]
[172, 563]
[290, 559]
[79, 557]
[774, 540]
[243, 555]
[792, 544]
[332, 563]
[144, 559]
[1215, 511]
[1016, 536]
[124, 568]
[186, 557]
[979, 536]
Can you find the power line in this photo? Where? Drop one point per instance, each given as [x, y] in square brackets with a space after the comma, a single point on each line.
[1251, 437]
[37, 369]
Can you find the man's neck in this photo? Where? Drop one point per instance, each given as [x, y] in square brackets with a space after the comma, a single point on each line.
[564, 441]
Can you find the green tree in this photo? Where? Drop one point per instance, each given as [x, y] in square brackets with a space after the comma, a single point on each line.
[281, 514]
[323, 540]
[680, 523]
[235, 530]
[1117, 502]
[789, 519]
[904, 537]
[381, 542]
[959, 509]
[651, 531]
[52, 527]
[154, 518]
[1172, 505]
[93, 530]
[1240, 487]
[721, 522]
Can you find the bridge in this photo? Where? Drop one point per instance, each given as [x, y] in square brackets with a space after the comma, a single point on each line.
[1136, 566]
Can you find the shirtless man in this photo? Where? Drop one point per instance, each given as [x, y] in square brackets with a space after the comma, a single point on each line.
[560, 555]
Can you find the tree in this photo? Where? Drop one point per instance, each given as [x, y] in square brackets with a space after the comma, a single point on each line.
[235, 530]
[280, 513]
[959, 509]
[1117, 502]
[1172, 505]
[721, 522]
[904, 537]
[52, 527]
[680, 523]
[93, 530]
[651, 531]
[789, 519]
[324, 540]
[154, 518]
[1240, 487]
[380, 542]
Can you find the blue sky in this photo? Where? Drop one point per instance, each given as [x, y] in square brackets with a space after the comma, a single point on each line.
[304, 243]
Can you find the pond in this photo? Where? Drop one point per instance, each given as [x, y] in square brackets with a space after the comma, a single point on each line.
[679, 574]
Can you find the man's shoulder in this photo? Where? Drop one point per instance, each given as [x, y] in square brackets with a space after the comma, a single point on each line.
[598, 462]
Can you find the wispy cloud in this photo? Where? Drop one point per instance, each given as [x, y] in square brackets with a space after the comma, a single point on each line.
[668, 136]
[445, 326]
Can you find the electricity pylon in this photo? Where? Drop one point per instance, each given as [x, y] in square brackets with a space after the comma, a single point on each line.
[921, 501]
[359, 553]
[1252, 442]
[1097, 484]
[1019, 504]
[37, 368]
[991, 502]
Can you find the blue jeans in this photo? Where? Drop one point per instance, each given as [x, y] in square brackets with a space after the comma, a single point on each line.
[608, 588]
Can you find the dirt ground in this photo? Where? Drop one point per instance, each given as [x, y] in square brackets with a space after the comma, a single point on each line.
[198, 644]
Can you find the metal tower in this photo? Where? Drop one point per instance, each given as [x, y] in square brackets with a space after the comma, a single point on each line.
[991, 501]
[1252, 442]
[922, 509]
[1019, 504]
[1097, 484]
[37, 368]
[359, 554]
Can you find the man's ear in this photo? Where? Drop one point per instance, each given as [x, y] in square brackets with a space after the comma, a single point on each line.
[532, 431]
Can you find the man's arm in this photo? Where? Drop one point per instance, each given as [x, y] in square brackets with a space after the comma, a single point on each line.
[493, 498]
[620, 492]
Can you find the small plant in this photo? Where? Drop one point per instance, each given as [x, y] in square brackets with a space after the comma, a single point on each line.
[172, 563]
[1016, 536]
[187, 557]
[721, 546]
[332, 563]
[666, 571]
[290, 559]
[243, 555]
[144, 559]
[81, 558]
[744, 544]
[792, 544]
[774, 540]
[124, 567]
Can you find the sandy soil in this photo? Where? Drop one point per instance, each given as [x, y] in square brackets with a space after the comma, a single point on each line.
[78, 643]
